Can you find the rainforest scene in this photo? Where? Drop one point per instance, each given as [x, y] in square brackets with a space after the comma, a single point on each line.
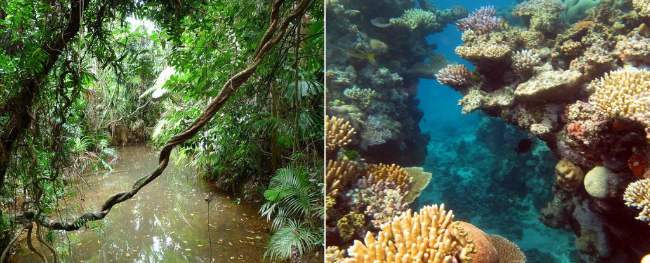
[161, 131]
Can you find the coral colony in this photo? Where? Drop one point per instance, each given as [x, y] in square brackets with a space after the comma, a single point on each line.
[570, 73]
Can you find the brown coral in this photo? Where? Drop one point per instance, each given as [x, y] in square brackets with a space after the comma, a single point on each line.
[390, 174]
[339, 174]
[508, 251]
[569, 176]
[476, 244]
[419, 237]
[338, 132]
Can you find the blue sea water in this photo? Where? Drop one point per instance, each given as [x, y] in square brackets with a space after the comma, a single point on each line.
[489, 186]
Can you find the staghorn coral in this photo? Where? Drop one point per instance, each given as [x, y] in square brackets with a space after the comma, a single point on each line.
[637, 195]
[339, 132]
[569, 176]
[454, 75]
[419, 180]
[524, 61]
[390, 173]
[416, 18]
[364, 97]
[642, 7]
[507, 250]
[339, 174]
[622, 93]
[481, 21]
[419, 237]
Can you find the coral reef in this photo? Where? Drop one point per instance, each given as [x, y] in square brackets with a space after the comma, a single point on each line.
[586, 95]
[376, 54]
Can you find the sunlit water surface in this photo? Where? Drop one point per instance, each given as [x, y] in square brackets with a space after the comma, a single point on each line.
[167, 221]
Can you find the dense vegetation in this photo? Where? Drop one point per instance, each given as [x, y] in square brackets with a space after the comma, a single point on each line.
[79, 77]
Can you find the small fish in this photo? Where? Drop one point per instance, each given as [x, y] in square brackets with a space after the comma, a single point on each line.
[523, 146]
[355, 53]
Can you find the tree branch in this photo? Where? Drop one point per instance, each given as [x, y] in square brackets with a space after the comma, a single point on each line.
[271, 37]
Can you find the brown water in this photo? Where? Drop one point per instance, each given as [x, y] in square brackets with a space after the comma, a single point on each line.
[165, 222]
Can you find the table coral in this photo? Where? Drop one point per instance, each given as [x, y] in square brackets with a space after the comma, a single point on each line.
[637, 195]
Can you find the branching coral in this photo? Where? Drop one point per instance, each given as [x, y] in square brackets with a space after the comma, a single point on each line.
[414, 18]
[454, 75]
[338, 132]
[339, 174]
[334, 255]
[364, 97]
[622, 93]
[390, 174]
[524, 61]
[419, 237]
[481, 21]
[637, 195]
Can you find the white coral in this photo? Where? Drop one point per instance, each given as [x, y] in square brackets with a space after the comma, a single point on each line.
[525, 60]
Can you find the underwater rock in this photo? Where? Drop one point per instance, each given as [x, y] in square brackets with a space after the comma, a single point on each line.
[549, 85]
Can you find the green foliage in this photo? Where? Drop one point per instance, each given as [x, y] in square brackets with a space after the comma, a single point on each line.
[294, 202]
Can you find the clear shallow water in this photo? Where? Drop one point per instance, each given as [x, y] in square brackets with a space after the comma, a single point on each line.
[165, 222]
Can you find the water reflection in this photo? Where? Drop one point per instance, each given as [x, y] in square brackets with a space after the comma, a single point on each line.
[166, 222]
